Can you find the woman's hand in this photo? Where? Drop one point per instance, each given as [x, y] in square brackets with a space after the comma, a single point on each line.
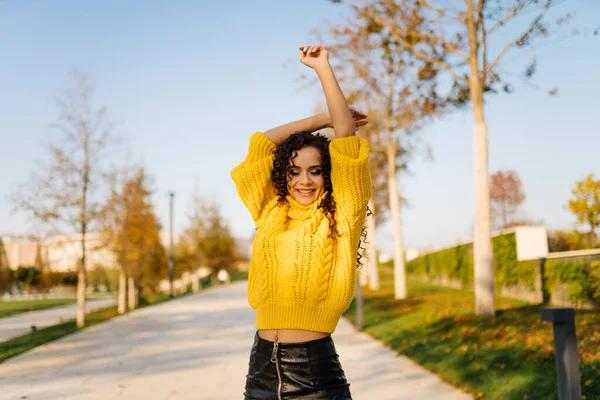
[359, 118]
[314, 57]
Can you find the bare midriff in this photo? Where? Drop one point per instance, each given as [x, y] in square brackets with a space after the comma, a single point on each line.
[291, 335]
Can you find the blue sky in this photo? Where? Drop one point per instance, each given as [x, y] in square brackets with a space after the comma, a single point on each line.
[189, 82]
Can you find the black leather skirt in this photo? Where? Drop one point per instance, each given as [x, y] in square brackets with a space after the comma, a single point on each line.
[308, 370]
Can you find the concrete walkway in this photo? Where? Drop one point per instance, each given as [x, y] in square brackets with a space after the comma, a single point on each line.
[20, 324]
[196, 347]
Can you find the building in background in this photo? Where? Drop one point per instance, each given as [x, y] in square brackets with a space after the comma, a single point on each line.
[21, 254]
[64, 252]
[60, 253]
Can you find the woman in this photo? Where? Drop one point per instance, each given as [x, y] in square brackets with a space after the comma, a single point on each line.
[308, 198]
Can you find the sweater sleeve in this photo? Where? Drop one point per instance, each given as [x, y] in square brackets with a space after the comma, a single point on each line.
[350, 175]
[252, 177]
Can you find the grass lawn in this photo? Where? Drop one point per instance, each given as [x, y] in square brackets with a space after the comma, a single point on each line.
[508, 357]
[14, 307]
[9, 308]
[21, 344]
[239, 276]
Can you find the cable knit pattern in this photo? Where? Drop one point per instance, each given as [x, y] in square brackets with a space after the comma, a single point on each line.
[320, 266]
[299, 277]
[350, 176]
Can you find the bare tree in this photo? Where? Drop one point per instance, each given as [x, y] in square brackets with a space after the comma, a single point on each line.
[379, 201]
[380, 75]
[65, 192]
[388, 158]
[453, 41]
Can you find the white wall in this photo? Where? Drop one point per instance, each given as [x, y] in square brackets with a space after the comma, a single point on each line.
[532, 242]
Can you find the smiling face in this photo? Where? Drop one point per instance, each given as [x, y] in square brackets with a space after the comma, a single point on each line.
[305, 176]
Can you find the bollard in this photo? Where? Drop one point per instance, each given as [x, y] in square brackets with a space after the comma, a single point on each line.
[565, 350]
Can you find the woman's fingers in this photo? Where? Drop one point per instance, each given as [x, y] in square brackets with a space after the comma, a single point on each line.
[307, 50]
[356, 113]
[359, 124]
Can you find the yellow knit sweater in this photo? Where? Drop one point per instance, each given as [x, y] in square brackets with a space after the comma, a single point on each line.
[299, 277]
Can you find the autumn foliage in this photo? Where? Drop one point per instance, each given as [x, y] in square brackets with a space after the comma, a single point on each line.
[585, 204]
[506, 195]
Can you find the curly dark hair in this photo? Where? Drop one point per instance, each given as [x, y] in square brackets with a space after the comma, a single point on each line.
[280, 176]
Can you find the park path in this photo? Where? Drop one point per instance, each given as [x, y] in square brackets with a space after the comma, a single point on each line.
[21, 324]
[195, 347]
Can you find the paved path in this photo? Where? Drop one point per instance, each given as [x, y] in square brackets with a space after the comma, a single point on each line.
[196, 347]
[20, 324]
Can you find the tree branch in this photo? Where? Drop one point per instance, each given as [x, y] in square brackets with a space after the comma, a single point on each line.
[443, 12]
[481, 27]
[419, 54]
[444, 43]
[509, 17]
[519, 40]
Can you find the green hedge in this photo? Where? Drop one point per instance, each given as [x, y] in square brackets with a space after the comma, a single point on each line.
[581, 277]
[457, 263]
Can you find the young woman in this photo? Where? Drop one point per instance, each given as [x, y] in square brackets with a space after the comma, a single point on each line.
[308, 197]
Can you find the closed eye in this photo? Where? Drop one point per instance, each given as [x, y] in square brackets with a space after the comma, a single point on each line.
[314, 172]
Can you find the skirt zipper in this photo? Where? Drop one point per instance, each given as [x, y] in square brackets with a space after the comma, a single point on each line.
[275, 359]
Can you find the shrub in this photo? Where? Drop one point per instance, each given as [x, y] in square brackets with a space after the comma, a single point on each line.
[581, 278]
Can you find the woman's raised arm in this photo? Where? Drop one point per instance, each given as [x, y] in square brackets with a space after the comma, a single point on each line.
[317, 58]
[279, 134]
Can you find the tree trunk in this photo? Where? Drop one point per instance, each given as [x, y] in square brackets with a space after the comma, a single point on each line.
[81, 284]
[83, 221]
[122, 291]
[195, 282]
[372, 263]
[482, 244]
[394, 199]
[131, 293]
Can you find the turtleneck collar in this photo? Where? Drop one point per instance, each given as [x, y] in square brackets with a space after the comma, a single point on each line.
[299, 212]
